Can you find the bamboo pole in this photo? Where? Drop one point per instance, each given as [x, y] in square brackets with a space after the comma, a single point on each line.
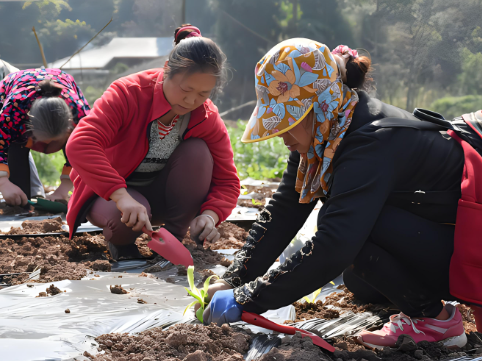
[40, 46]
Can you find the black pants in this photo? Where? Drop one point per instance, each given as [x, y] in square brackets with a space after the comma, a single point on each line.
[19, 167]
[405, 261]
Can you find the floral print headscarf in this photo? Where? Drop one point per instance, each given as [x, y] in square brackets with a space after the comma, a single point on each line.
[297, 76]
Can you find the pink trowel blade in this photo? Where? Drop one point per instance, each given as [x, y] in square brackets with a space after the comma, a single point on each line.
[169, 247]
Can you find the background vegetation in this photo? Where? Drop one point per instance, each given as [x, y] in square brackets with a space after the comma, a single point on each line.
[426, 53]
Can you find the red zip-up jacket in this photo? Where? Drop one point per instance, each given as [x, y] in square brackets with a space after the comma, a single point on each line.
[111, 142]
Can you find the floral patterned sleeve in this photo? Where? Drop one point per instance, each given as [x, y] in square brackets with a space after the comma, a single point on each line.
[11, 119]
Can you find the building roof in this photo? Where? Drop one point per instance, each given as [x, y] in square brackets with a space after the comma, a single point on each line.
[100, 57]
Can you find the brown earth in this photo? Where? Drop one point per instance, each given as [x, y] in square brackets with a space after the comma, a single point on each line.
[58, 257]
[259, 197]
[34, 227]
[180, 342]
[307, 311]
[232, 236]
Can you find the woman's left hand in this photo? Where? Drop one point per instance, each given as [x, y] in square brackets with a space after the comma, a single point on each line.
[203, 228]
[62, 191]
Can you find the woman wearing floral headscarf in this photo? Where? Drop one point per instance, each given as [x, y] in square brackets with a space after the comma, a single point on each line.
[390, 199]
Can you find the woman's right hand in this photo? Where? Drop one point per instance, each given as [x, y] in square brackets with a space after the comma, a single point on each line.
[134, 214]
[215, 287]
[12, 194]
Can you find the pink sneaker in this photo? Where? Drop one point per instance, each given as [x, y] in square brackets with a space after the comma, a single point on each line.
[451, 332]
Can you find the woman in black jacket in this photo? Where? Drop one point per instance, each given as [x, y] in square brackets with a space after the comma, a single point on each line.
[389, 200]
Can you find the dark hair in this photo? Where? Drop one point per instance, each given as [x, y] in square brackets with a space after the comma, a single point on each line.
[50, 114]
[197, 54]
[357, 72]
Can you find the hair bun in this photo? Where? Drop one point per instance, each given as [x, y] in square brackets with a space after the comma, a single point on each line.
[47, 88]
[357, 70]
[185, 31]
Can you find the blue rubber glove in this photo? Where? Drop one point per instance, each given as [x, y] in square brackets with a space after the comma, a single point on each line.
[223, 309]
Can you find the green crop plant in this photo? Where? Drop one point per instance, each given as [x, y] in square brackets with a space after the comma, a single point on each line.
[200, 295]
[256, 203]
[315, 294]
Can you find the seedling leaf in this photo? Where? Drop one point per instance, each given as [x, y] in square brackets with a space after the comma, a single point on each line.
[199, 314]
[307, 299]
[197, 297]
[189, 306]
[190, 278]
[256, 203]
[316, 293]
[207, 282]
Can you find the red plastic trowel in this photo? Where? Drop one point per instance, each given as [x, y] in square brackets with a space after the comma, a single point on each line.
[260, 321]
[169, 247]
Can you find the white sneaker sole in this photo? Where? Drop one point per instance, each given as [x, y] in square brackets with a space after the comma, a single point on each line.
[452, 342]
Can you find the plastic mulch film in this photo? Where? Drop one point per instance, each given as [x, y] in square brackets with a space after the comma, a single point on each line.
[38, 328]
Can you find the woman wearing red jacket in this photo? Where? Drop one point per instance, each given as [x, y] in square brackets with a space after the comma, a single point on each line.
[154, 150]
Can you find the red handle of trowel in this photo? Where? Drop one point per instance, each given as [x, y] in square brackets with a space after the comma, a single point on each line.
[260, 321]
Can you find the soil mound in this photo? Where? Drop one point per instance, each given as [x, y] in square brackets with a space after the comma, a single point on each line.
[179, 343]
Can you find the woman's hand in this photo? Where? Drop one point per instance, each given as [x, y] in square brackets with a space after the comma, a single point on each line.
[223, 308]
[134, 214]
[12, 194]
[62, 191]
[203, 228]
[215, 287]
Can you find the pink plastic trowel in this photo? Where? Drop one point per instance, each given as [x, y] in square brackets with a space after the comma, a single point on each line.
[169, 247]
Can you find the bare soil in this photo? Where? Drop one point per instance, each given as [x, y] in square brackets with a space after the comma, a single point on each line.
[259, 197]
[35, 227]
[178, 343]
[232, 236]
[58, 257]
[307, 311]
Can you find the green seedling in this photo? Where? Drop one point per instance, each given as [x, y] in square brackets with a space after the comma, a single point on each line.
[200, 295]
[315, 294]
[244, 189]
[256, 203]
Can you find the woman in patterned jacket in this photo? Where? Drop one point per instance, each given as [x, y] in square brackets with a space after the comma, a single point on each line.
[39, 110]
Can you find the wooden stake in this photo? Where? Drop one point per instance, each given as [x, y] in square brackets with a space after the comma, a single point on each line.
[40, 46]
[78, 51]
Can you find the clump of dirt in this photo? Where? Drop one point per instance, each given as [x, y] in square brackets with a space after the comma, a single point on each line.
[53, 290]
[468, 318]
[141, 243]
[100, 265]
[308, 310]
[232, 236]
[42, 294]
[117, 289]
[141, 301]
[180, 342]
[34, 227]
[67, 311]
